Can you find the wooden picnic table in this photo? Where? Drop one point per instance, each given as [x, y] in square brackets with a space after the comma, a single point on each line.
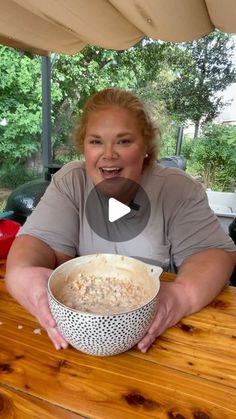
[190, 372]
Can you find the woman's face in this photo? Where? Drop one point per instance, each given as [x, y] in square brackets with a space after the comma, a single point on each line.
[113, 145]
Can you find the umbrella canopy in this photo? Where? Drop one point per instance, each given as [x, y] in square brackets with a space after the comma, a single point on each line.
[66, 26]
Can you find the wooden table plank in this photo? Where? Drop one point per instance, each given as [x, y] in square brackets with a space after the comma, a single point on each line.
[177, 349]
[190, 372]
[18, 405]
[182, 347]
[102, 394]
[94, 386]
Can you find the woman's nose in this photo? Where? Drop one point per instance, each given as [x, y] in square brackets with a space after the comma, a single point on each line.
[109, 152]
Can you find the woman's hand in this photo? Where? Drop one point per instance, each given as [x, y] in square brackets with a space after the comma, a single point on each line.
[32, 294]
[173, 305]
[200, 279]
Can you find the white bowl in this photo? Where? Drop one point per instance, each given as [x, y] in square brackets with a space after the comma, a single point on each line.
[105, 334]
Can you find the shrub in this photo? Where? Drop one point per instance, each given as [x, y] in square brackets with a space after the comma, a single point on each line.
[12, 177]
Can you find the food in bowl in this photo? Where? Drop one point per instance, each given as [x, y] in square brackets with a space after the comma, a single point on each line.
[101, 294]
[104, 304]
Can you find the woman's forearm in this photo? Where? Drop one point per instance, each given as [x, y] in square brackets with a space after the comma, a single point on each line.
[203, 276]
[29, 265]
[30, 251]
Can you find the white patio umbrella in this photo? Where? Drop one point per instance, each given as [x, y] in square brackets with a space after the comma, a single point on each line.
[66, 26]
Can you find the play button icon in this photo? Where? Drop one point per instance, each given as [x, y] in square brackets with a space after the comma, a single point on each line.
[116, 210]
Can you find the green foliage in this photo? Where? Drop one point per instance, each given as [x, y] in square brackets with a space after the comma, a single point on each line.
[213, 156]
[15, 176]
[93, 69]
[20, 106]
[74, 79]
[65, 154]
[168, 140]
[178, 82]
[198, 70]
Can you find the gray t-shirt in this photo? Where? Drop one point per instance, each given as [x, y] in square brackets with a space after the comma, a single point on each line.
[181, 222]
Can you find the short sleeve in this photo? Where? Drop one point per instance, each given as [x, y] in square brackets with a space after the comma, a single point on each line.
[192, 226]
[55, 220]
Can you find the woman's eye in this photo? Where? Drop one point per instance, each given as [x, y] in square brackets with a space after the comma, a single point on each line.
[95, 142]
[124, 141]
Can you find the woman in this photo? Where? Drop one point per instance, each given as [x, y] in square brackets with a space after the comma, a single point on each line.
[117, 138]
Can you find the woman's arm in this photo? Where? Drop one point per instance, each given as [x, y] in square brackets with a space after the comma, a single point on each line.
[29, 264]
[30, 251]
[204, 274]
[200, 279]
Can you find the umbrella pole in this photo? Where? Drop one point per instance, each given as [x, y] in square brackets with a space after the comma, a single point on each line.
[179, 141]
[46, 114]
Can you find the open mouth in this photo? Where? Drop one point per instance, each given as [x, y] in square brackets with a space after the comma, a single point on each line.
[110, 172]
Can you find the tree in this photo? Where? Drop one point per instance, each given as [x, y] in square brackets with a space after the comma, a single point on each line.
[74, 79]
[199, 71]
[20, 106]
[211, 156]
[179, 82]
[93, 69]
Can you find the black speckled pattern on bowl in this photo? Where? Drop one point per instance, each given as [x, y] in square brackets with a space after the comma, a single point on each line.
[103, 335]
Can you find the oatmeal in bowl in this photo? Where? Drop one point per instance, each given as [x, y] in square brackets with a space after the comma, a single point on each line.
[104, 304]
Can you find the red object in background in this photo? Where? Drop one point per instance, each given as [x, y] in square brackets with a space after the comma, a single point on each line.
[8, 231]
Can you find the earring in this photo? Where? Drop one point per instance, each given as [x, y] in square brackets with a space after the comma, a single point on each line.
[146, 155]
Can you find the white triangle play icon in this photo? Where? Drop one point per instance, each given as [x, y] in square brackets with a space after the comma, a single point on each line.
[116, 210]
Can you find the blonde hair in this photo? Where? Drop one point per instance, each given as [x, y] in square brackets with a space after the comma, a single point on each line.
[125, 100]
